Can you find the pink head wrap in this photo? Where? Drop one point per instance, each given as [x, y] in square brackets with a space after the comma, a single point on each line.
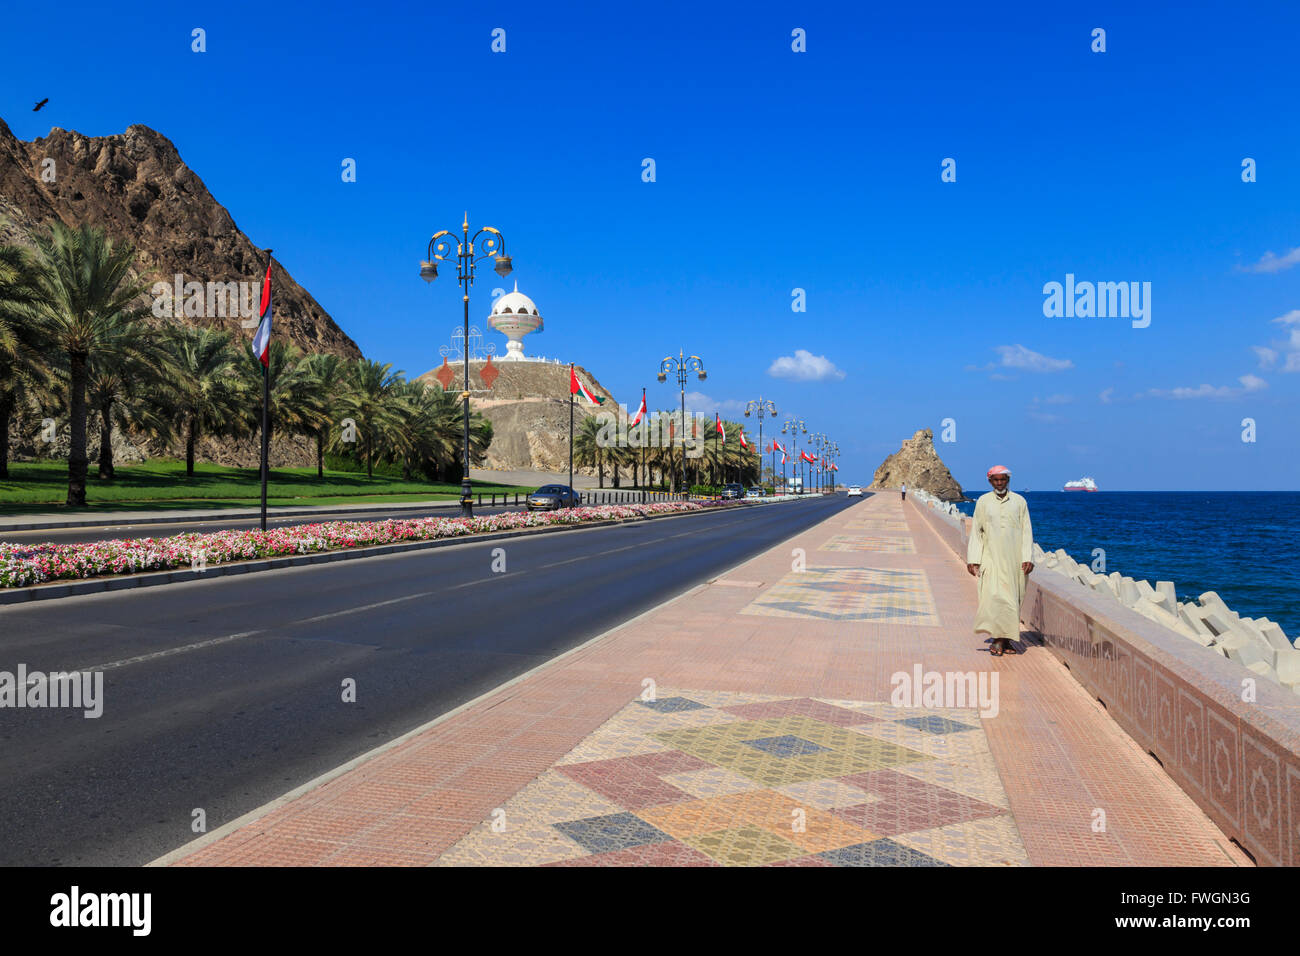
[998, 470]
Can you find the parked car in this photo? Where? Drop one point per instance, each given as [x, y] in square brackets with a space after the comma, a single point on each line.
[550, 497]
[732, 491]
[755, 493]
[855, 491]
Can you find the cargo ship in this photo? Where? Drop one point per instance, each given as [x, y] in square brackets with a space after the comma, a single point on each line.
[1080, 484]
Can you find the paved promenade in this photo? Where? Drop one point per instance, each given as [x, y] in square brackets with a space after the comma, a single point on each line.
[749, 722]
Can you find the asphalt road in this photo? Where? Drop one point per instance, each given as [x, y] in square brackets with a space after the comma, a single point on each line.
[225, 694]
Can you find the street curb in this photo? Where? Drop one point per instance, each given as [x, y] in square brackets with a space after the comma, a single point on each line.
[44, 592]
[252, 816]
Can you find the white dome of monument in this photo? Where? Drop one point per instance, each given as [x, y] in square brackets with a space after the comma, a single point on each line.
[515, 315]
[514, 302]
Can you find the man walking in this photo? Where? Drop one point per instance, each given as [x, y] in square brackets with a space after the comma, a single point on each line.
[999, 552]
[904, 491]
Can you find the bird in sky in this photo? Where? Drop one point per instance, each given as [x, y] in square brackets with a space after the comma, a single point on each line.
[37, 107]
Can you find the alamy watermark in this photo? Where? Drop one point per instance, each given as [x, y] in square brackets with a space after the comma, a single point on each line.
[80, 690]
[1102, 300]
[657, 431]
[955, 689]
[207, 300]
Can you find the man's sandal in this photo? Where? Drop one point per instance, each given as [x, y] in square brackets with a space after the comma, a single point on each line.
[998, 648]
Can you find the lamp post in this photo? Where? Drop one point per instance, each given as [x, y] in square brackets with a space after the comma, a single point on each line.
[763, 407]
[683, 365]
[792, 427]
[835, 454]
[818, 441]
[469, 250]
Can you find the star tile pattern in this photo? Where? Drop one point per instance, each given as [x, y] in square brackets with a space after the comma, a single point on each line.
[730, 779]
[889, 544]
[886, 595]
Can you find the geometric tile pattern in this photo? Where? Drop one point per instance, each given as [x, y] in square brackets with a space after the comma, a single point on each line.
[756, 780]
[896, 544]
[888, 595]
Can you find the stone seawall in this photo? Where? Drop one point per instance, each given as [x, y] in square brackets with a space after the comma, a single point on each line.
[1225, 732]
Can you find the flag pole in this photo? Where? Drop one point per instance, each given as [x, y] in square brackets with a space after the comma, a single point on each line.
[266, 402]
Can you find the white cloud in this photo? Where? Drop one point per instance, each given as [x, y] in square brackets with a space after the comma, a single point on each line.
[1058, 400]
[1271, 263]
[698, 401]
[1267, 356]
[1105, 396]
[1019, 357]
[803, 366]
[1247, 383]
[1287, 349]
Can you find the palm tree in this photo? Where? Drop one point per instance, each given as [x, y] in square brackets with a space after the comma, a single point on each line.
[201, 394]
[295, 406]
[325, 373]
[586, 449]
[370, 399]
[21, 371]
[119, 388]
[85, 307]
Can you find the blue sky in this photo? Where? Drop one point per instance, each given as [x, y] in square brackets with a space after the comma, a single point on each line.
[775, 170]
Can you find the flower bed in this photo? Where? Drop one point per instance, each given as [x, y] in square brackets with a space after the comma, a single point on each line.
[23, 565]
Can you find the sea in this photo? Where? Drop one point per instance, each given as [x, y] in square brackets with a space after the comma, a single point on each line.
[1245, 545]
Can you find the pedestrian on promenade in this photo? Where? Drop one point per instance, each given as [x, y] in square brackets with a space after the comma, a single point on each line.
[999, 552]
[904, 491]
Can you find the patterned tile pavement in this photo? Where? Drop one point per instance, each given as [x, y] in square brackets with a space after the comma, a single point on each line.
[894, 596]
[753, 780]
[892, 544]
[780, 679]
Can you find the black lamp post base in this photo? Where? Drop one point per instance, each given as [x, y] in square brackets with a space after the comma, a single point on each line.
[466, 500]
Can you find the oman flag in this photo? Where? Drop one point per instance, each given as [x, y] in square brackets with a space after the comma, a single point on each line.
[804, 456]
[262, 338]
[640, 412]
[576, 386]
[743, 443]
[722, 432]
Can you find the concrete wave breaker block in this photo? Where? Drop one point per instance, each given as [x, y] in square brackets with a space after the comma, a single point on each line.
[1251, 653]
[1274, 634]
[1171, 596]
[1128, 591]
[1287, 666]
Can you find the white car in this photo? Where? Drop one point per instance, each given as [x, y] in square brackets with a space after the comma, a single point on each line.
[855, 491]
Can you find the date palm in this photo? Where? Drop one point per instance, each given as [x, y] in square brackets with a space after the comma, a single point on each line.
[200, 393]
[22, 373]
[369, 398]
[86, 308]
[295, 407]
[326, 379]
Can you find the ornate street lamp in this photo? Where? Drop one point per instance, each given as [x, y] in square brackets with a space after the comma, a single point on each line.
[818, 441]
[487, 243]
[763, 407]
[683, 365]
[792, 427]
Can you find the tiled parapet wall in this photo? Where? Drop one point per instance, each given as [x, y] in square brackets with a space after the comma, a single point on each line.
[1229, 738]
[1238, 759]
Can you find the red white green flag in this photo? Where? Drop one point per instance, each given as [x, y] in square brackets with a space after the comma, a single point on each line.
[743, 443]
[717, 423]
[640, 412]
[576, 386]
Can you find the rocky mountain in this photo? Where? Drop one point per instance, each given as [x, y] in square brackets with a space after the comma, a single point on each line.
[919, 465]
[136, 186]
[528, 406]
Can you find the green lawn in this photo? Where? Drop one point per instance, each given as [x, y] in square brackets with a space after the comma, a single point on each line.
[162, 484]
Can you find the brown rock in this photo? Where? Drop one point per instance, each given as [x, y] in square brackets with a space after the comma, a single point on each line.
[136, 187]
[919, 465]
